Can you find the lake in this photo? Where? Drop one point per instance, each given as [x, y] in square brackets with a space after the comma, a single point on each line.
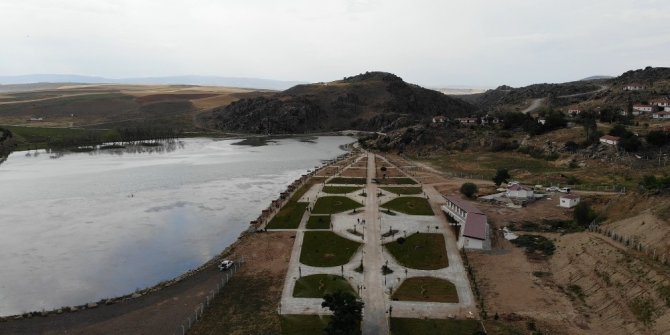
[87, 226]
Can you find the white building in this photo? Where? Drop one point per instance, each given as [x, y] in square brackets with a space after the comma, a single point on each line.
[519, 191]
[642, 108]
[661, 102]
[609, 139]
[569, 200]
[467, 120]
[665, 115]
[439, 119]
[474, 228]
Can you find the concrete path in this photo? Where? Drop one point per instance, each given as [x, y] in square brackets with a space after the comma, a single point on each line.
[375, 321]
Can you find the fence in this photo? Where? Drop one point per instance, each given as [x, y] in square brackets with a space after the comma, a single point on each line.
[197, 314]
[633, 243]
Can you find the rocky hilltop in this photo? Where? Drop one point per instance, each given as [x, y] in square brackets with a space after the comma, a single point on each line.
[373, 101]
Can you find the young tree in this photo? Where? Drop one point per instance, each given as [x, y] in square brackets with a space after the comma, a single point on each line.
[501, 176]
[469, 189]
[347, 313]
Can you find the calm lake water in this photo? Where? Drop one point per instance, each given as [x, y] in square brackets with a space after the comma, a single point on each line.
[89, 226]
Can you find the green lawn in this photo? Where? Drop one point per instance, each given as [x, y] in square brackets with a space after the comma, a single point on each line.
[397, 181]
[348, 180]
[404, 326]
[38, 137]
[410, 205]
[421, 251]
[291, 213]
[316, 286]
[304, 324]
[403, 190]
[289, 216]
[325, 249]
[426, 289]
[340, 189]
[318, 222]
[334, 204]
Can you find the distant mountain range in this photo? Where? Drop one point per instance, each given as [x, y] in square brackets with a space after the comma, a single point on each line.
[171, 80]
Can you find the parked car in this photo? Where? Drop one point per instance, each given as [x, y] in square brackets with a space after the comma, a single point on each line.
[225, 265]
[564, 189]
[552, 189]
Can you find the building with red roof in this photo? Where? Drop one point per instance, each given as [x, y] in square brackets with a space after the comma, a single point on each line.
[474, 227]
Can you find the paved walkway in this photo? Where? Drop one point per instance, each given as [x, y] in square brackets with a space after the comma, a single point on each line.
[374, 312]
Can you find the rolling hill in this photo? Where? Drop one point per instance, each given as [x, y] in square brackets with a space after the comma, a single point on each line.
[373, 101]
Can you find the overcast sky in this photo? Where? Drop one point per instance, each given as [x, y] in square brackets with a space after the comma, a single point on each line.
[431, 43]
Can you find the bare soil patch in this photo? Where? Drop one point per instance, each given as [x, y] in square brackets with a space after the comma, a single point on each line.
[355, 172]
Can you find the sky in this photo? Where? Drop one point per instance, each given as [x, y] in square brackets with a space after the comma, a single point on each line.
[434, 43]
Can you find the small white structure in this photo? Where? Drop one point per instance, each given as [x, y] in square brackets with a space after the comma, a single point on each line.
[643, 108]
[542, 121]
[474, 232]
[519, 191]
[574, 111]
[664, 115]
[609, 139]
[569, 200]
[439, 119]
[467, 120]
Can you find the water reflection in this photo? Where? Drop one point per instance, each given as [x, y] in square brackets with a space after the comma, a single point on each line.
[88, 226]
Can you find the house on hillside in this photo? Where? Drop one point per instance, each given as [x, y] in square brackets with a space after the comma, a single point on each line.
[542, 121]
[474, 228]
[640, 108]
[490, 120]
[519, 191]
[661, 102]
[467, 120]
[664, 115]
[623, 112]
[440, 119]
[633, 87]
[569, 200]
[574, 111]
[609, 139]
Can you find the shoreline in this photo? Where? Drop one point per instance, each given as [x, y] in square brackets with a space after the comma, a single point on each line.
[253, 227]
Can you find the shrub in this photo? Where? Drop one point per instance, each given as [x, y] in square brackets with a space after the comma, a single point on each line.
[469, 189]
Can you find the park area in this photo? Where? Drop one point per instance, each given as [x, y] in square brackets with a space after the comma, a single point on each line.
[428, 289]
[316, 286]
[422, 251]
[334, 204]
[326, 249]
[409, 205]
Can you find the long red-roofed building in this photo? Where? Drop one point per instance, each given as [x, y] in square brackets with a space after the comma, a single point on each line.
[474, 232]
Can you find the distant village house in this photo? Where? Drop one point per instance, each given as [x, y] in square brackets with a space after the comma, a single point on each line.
[664, 115]
[519, 191]
[467, 120]
[642, 108]
[633, 87]
[440, 119]
[661, 102]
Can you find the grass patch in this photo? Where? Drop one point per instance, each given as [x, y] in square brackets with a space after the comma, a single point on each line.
[410, 205]
[340, 189]
[644, 310]
[397, 181]
[421, 251]
[325, 249]
[406, 326]
[318, 222]
[304, 324]
[403, 190]
[291, 213]
[289, 216]
[348, 180]
[316, 286]
[39, 138]
[576, 291]
[335, 204]
[428, 289]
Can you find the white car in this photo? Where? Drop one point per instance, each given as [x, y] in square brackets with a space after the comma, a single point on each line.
[552, 189]
[564, 189]
[225, 265]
